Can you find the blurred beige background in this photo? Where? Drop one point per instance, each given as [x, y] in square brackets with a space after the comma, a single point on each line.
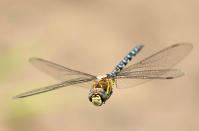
[93, 36]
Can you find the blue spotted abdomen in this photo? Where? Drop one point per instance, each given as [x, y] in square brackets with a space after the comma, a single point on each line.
[125, 60]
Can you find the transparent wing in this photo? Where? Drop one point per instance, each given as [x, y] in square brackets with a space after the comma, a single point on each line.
[57, 71]
[164, 59]
[139, 77]
[52, 87]
[153, 74]
[156, 66]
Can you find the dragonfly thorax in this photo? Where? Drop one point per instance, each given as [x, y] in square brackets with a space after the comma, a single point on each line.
[101, 90]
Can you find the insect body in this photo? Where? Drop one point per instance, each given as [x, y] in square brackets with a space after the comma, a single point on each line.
[157, 66]
[102, 87]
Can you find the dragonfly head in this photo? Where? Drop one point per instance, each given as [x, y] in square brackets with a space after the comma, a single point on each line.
[96, 100]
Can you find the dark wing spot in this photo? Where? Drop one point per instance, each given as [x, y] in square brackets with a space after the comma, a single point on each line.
[169, 77]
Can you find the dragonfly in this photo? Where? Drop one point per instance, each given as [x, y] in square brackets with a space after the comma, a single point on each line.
[157, 66]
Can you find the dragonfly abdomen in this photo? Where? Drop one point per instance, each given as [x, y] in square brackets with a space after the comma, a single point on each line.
[125, 60]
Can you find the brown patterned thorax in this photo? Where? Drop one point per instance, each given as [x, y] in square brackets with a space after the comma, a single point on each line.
[102, 83]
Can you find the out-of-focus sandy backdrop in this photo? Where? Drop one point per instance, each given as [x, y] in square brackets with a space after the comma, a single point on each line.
[93, 36]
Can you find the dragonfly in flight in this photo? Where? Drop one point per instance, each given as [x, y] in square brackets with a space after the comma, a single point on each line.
[157, 66]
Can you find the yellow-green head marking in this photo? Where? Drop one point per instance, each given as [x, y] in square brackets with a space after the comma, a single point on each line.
[96, 100]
